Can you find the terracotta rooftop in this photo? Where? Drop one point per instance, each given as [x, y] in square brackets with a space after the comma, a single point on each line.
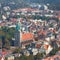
[0, 58]
[53, 57]
[27, 36]
[24, 9]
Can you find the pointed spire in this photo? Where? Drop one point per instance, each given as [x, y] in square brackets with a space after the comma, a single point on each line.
[18, 25]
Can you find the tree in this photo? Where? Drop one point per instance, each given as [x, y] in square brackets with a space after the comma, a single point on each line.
[53, 52]
[6, 35]
[0, 43]
[7, 44]
[39, 56]
[23, 57]
[17, 50]
[31, 57]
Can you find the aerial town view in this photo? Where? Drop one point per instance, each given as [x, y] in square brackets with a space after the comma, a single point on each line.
[29, 29]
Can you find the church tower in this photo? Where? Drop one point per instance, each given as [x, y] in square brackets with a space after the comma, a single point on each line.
[18, 34]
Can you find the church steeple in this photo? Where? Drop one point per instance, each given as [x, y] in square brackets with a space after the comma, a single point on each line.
[18, 26]
[18, 33]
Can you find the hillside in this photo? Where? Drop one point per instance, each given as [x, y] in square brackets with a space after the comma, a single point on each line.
[54, 4]
[45, 1]
[14, 3]
[33, 1]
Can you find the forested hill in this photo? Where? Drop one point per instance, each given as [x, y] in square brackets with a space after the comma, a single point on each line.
[54, 4]
[45, 1]
[34, 1]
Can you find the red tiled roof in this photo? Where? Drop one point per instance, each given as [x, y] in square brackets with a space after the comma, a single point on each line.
[2, 24]
[58, 17]
[4, 53]
[13, 19]
[24, 9]
[42, 32]
[46, 46]
[38, 45]
[0, 58]
[53, 57]
[47, 59]
[27, 36]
